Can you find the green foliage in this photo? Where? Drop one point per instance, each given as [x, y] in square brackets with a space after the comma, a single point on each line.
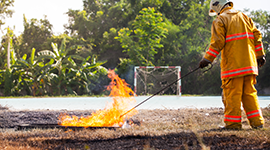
[185, 23]
[35, 35]
[4, 10]
[28, 71]
[62, 60]
[125, 70]
[141, 43]
[120, 34]
[8, 83]
[262, 21]
[7, 38]
[98, 24]
[68, 76]
[54, 73]
[111, 49]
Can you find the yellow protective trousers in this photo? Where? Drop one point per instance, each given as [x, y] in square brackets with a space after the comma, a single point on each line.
[241, 90]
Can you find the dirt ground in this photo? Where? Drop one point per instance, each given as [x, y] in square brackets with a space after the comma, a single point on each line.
[152, 129]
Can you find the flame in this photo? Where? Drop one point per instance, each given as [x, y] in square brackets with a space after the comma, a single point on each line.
[110, 116]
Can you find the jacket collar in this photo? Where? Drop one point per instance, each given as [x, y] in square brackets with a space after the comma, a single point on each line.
[224, 9]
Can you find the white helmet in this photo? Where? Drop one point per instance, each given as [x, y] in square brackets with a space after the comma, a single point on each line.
[217, 5]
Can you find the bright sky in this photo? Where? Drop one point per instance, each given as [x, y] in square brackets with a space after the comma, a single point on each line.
[56, 9]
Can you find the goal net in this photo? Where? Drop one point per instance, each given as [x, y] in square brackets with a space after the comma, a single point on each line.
[151, 79]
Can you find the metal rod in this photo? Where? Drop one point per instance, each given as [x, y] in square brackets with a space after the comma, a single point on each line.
[162, 90]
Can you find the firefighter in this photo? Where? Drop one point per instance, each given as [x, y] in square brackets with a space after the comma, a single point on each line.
[234, 35]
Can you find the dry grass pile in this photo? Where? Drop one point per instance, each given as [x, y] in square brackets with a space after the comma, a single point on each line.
[158, 129]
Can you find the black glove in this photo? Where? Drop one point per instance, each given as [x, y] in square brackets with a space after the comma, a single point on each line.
[261, 61]
[204, 63]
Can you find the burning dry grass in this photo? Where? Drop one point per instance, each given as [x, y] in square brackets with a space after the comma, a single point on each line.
[112, 115]
[158, 129]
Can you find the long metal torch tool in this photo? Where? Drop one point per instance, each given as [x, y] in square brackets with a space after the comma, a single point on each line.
[164, 89]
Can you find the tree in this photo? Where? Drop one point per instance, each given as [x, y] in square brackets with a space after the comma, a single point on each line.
[97, 25]
[186, 44]
[5, 11]
[35, 35]
[143, 41]
[8, 38]
[262, 21]
[6, 76]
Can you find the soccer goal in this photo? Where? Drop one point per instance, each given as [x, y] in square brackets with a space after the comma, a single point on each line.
[151, 79]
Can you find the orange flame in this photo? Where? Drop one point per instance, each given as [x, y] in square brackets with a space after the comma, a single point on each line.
[122, 97]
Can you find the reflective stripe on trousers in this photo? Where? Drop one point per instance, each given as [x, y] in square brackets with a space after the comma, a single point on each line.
[241, 90]
[232, 118]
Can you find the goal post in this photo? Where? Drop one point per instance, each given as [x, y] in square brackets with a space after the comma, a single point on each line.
[151, 79]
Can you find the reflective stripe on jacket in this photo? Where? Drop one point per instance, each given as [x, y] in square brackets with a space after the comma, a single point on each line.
[239, 41]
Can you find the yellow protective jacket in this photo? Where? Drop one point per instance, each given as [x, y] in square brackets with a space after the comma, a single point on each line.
[239, 41]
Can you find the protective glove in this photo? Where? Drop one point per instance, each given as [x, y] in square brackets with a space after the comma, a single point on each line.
[204, 63]
[261, 61]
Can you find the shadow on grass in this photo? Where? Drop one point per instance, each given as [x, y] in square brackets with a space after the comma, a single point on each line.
[172, 141]
[183, 140]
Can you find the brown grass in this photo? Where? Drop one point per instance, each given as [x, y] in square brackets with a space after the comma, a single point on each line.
[159, 129]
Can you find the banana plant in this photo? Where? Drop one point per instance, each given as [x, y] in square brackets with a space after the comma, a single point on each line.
[85, 76]
[63, 62]
[29, 71]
